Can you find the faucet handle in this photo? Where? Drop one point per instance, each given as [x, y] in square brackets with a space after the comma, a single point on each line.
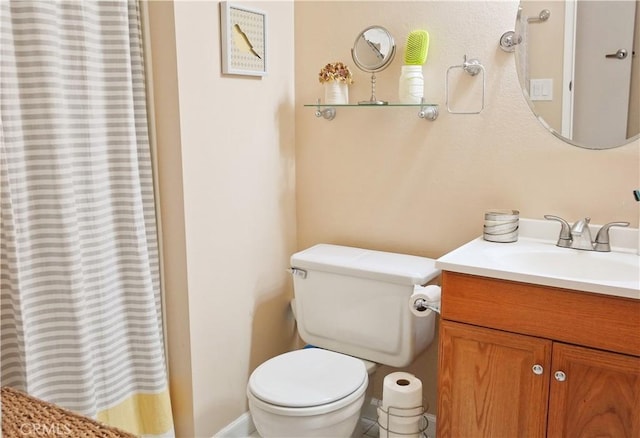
[564, 239]
[602, 238]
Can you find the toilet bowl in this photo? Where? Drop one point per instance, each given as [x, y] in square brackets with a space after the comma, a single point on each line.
[307, 393]
[353, 303]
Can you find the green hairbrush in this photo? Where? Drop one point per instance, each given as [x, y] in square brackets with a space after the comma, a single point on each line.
[417, 47]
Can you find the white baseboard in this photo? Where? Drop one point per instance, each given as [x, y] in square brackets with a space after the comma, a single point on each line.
[241, 427]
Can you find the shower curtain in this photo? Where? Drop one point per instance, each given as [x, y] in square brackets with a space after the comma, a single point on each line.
[81, 322]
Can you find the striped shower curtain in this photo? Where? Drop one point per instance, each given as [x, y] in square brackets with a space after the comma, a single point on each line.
[81, 322]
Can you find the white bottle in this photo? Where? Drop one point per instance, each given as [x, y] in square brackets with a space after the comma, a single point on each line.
[411, 86]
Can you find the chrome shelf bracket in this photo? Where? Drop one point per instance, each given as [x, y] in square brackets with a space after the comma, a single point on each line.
[428, 112]
[327, 113]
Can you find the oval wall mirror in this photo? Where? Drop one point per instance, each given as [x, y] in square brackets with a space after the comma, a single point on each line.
[373, 50]
[578, 68]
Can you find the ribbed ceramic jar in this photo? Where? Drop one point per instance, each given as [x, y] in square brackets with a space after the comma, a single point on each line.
[336, 93]
[411, 86]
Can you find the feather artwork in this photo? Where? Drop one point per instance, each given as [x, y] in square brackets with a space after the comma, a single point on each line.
[243, 42]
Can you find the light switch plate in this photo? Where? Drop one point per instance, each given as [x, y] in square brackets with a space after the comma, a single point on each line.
[541, 89]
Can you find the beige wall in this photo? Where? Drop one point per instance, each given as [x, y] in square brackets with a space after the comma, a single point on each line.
[235, 203]
[384, 179]
[226, 179]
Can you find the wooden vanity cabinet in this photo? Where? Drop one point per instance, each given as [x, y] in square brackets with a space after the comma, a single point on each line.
[520, 360]
[486, 386]
[600, 395]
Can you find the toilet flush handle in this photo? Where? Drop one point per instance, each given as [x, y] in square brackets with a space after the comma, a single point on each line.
[297, 272]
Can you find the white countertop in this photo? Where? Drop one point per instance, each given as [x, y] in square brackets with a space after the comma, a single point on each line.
[536, 259]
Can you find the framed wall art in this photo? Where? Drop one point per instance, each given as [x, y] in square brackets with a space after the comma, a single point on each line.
[244, 40]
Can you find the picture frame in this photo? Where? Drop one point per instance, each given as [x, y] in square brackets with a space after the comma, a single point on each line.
[244, 40]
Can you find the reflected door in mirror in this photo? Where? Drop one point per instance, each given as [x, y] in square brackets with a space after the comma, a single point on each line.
[594, 103]
[602, 78]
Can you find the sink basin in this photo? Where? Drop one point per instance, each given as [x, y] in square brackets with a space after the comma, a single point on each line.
[537, 260]
[574, 264]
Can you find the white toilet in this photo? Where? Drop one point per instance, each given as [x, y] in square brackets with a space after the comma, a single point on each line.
[353, 304]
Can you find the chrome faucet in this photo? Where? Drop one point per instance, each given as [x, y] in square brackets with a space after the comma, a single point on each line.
[578, 236]
[581, 235]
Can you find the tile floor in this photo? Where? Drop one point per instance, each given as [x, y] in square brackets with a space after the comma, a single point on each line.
[369, 425]
[369, 428]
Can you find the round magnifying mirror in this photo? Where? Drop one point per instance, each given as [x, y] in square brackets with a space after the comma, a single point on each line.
[373, 50]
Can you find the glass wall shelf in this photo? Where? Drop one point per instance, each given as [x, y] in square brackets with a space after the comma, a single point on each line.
[427, 111]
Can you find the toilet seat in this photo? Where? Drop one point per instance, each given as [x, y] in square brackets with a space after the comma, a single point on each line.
[307, 382]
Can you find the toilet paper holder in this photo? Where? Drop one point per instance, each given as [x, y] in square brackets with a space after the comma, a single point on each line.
[425, 298]
[422, 305]
[402, 414]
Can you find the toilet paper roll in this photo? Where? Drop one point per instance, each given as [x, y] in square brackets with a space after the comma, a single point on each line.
[424, 299]
[401, 390]
[401, 410]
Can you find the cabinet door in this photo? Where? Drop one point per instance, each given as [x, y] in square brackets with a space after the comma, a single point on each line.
[597, 394]
[487, 386]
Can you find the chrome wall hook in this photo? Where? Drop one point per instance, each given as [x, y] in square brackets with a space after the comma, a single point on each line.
[542, 16]
[509, 40]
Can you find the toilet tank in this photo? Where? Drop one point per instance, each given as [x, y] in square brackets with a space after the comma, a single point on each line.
[356, 301]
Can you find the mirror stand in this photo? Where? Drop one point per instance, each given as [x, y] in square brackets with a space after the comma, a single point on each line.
[373, 100]
[373, 51]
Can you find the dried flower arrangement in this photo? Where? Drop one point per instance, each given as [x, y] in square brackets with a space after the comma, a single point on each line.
[335, 71]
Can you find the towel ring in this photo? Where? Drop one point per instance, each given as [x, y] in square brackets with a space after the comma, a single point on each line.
[473, 67]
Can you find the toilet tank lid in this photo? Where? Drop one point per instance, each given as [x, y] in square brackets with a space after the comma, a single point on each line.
[357, 262]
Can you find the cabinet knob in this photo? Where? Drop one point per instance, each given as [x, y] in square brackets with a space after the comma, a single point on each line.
[560, 376]
[537, 369]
